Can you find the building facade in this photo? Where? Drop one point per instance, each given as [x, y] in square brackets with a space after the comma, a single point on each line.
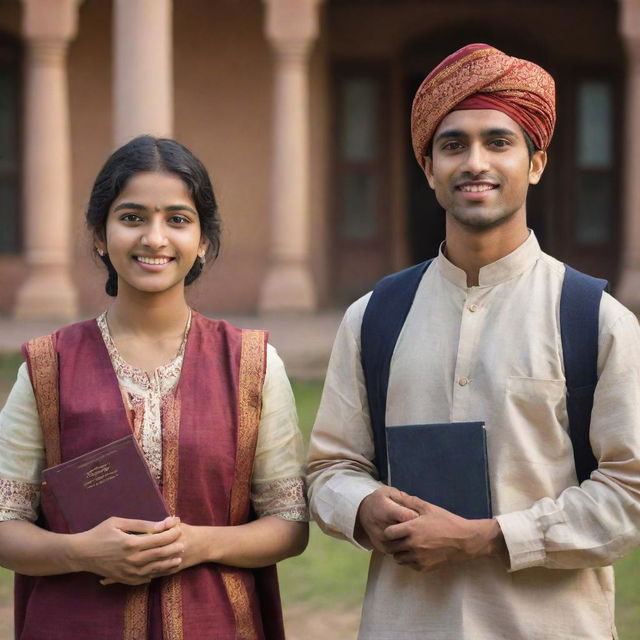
[300, 110]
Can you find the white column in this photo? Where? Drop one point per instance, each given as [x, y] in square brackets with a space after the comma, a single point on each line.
[143, 69]
[48, 292]
[292, 27]
[629, 288]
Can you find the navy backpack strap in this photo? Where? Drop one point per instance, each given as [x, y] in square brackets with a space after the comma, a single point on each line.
[382, 322]
[579, 329]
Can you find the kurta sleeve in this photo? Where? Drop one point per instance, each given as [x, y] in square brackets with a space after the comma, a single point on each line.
[22, 455]
[340, 471]
[596, 523]
[277, 484]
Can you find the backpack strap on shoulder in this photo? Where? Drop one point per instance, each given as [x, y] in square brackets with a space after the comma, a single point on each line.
[579, 329]
[42, 361]
[382, 323]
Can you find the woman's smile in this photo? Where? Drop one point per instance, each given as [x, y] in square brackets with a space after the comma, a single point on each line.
[153, 223]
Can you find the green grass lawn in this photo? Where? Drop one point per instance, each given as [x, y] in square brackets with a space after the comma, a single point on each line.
[332, 573]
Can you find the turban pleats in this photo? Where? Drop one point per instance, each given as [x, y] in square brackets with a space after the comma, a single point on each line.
[479, 76]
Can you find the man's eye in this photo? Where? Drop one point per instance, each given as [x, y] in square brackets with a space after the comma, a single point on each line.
[452, 145]
[500, 143]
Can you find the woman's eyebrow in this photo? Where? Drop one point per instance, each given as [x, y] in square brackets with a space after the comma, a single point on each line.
[130, 205]
[140, 207]
[180, 207]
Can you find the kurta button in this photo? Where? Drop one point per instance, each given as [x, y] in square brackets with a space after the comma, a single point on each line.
[473, 308]
[463, 381]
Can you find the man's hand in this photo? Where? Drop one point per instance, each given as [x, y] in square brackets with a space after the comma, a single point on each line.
[438, 537]
[112, 550]
[376, 512]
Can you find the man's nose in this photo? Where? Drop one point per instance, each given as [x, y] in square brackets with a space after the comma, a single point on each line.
[476, 160]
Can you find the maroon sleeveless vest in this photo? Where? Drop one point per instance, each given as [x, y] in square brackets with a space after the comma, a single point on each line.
[210, 426]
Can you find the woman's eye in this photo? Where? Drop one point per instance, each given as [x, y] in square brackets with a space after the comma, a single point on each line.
[500, 143]
[451, 146]
[130, 217]
[178, 219]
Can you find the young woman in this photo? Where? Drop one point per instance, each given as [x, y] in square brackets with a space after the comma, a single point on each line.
[210, 406]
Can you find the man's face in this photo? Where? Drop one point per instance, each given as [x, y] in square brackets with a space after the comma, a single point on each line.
[480, 168]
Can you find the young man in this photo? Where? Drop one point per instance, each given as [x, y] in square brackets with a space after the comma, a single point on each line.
[482, 342]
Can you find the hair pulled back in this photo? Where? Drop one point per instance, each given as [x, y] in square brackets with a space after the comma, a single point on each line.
[146, 153]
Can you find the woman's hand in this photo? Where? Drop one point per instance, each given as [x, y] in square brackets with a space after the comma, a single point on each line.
[111, 549]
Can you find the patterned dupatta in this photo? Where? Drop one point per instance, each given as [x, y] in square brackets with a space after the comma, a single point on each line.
[210, 426]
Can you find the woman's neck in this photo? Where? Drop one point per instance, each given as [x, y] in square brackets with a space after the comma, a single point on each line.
[151, 316]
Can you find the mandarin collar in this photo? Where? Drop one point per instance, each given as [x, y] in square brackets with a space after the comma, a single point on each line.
[508, 267]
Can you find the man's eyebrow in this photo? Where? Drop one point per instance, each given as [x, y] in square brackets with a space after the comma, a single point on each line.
[450, 133]
[485, 133]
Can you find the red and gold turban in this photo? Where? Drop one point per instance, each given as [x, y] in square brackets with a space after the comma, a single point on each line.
[479, 76]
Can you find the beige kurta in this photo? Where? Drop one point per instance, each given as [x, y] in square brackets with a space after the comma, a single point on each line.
[493, 353]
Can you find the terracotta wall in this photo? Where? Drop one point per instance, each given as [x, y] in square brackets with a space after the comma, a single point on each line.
[223, 112]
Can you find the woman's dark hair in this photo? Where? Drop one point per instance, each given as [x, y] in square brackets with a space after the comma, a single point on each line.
[146, 153]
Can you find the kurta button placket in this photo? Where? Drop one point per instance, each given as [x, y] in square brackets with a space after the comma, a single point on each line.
[471, 323]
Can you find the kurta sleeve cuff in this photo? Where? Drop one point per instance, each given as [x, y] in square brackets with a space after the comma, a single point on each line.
[524, 539]
[337, 504]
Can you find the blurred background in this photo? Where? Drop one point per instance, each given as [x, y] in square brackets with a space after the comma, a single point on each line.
[300, 111]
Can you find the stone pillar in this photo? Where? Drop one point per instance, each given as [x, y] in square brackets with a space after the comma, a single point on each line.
[292, 26]
[47, 27]
[143, 69]
[629, 288]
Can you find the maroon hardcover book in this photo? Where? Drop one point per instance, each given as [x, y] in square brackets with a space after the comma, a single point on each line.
[113, 480]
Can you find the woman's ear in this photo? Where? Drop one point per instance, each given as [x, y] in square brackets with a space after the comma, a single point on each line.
[99, 244]
[203, 246]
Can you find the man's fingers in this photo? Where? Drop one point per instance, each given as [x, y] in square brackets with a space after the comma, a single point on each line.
[398, 513]
[412, 502]
[397, 531]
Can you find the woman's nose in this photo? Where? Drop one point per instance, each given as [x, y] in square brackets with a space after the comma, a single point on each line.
[154, 234]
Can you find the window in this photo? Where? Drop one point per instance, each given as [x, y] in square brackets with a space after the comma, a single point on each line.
[359, 101]
[594, 162]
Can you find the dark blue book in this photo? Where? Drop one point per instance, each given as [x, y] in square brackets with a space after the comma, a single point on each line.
[444, 464]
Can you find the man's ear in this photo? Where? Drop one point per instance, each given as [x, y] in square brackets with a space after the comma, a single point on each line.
[536, 166]
[428, 170]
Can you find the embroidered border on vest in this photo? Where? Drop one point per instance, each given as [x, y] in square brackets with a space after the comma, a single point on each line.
[43, 365]
[171, 590]
[251, 379]
[136, 612]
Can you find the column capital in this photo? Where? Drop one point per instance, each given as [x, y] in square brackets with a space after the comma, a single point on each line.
[292, 20]
[50, 19]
